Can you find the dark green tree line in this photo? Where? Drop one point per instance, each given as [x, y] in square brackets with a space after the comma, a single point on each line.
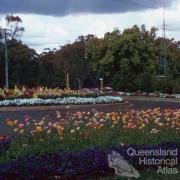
[127, 60]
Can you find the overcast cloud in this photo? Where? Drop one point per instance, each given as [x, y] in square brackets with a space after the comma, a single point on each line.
[53, 23]
[67, 7]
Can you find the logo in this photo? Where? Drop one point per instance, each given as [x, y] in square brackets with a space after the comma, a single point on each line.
[121, 166]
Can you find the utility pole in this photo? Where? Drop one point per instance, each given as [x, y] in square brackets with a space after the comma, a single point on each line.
[67, 81]
[6, 60]
[163, 55]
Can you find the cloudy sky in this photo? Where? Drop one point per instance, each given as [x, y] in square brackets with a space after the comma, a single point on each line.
[52, 23]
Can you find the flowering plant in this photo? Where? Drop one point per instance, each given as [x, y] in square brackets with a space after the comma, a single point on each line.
[62, 101]
[45, 93]
[78, 143]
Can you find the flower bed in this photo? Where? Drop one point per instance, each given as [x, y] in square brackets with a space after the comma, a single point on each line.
[46, 93]
[74, 164]
[78, 143]
[156, 94]
[4, 143]
[62, 101]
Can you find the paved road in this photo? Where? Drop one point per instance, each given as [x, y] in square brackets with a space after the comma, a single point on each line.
[137, 104]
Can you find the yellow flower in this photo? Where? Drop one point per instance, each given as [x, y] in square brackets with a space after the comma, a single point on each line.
[141, 126]
[21, 131]
[10, 123]
[15, 122]
[49, 131]
[60, 132]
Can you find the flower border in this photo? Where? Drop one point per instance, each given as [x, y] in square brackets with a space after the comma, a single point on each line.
[63, 101]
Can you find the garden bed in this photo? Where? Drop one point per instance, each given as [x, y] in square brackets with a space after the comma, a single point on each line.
[46, 93]
[145, 94]
[92, 162]
[62, 101]
[78, 144]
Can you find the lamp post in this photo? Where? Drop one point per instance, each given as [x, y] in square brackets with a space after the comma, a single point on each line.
[67, 81]
[101, 83]
[6, 62]
[6, 58]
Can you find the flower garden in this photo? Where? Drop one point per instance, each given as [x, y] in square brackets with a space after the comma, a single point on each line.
[77, 144]
[45, 96]
[155, 94]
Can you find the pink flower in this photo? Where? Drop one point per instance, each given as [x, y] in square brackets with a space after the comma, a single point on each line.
[58, 114]
[27, 118]
[21, 125]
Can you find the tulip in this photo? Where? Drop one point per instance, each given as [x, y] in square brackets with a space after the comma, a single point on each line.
[27, 118]
[49, 131]
[10, 123]
[15, 122]
[21, 131]
[15, 130]
[21, 125]
[39, 129]
[72, 131]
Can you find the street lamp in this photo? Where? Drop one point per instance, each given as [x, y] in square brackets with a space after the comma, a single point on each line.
[101, 83]
[67, 81]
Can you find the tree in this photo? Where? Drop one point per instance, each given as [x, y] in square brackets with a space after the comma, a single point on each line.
[22, 65]
[74, 61]
[12, 31]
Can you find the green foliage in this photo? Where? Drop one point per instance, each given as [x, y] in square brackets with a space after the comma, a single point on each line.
[127, 60]
[130, 60]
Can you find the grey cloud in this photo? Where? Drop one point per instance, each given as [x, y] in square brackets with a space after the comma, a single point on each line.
[66, 7]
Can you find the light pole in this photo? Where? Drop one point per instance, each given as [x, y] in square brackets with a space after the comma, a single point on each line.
[67, 81]
[101, 84]
[6, 58]
[6, 62]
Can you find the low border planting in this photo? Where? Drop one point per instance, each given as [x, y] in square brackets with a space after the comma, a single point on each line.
[74, 164]
[158, 94]
[46, 93]
[62, 101]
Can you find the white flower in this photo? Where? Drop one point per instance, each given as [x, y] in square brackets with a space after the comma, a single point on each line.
[61, 101]
[72, 131]
[78, 128]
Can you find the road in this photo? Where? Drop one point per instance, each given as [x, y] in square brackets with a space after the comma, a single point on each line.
[38, 114]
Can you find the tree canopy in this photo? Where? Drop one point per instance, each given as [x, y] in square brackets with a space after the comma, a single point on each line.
[127, 60]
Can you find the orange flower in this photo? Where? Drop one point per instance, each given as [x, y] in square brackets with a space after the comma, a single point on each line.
[9, 123]
[100, 126]
[113, 118]
[39, 129]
